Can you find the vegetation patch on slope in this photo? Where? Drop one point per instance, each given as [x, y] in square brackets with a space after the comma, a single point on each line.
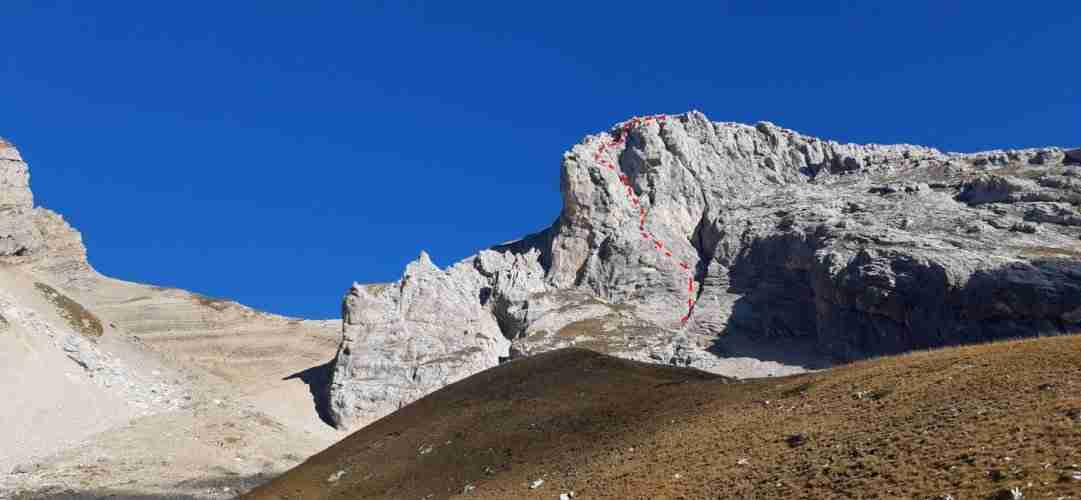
[968, 422]
[211, 302]
[82, 321]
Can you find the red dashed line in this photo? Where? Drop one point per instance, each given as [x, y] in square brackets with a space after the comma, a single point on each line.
[626, 181]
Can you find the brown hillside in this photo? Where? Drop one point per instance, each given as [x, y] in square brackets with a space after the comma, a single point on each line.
[966, 422]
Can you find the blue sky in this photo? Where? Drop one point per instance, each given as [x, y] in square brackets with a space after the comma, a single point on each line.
[273, 152]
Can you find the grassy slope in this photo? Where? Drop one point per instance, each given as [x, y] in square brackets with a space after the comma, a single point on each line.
[966, 421]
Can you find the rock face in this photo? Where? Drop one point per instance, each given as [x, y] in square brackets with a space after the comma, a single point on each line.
[679, 235]
[19, 237]
[14, 178]
[34, 236]
[404, 340]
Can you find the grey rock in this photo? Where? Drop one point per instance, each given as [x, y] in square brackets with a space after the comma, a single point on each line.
[14, 178]
[995, 189]
[677, 233]
[1073, 155]
[404, 340]
[1001, 158]
[976, 227]
[1053, 213]
[1049, 156]
[514, 279]
[335, 477]
[31, 236]
[1025, 227]
[19, 236]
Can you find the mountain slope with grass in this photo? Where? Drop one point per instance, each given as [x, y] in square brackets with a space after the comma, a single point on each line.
[970, 422]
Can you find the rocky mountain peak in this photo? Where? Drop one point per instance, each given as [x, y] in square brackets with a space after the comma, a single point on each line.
[420, 267]
[681, 240]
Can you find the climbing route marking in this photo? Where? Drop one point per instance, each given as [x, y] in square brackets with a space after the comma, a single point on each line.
[599, 156]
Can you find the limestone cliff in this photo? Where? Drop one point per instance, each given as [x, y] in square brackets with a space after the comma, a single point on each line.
[404, 340]
[19, 236]
[678, 235]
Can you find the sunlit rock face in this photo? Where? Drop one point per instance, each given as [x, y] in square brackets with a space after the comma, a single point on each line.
[843, 250]
[404, 340]
[19, 237]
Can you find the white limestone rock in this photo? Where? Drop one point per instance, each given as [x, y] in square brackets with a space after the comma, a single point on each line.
[19, 237]
[14, 178]
[404, 340]
[762, 234]
[36, 236]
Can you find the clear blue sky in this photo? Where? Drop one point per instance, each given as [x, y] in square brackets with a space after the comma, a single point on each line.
[275, 151]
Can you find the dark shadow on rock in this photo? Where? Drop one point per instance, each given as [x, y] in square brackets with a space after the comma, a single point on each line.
[214, 487]
[1037, 298]
[886, 301]
[540, 241]
[794, 351]
[774, 317]
[317, 378]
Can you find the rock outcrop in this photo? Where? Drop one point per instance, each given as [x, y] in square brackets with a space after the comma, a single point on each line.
[849, 250]
[14, 178]
[34, 236]
[19, 237]
[404, 340]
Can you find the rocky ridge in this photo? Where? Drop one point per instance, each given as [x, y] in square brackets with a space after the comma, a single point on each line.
[836, 251]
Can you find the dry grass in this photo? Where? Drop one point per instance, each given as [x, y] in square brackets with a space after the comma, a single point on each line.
[81, 320]
[962, 421]
[588, 327]
[1052, 252]
[211, 302]
[377, 289]
[799, 390]
[590, 334]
